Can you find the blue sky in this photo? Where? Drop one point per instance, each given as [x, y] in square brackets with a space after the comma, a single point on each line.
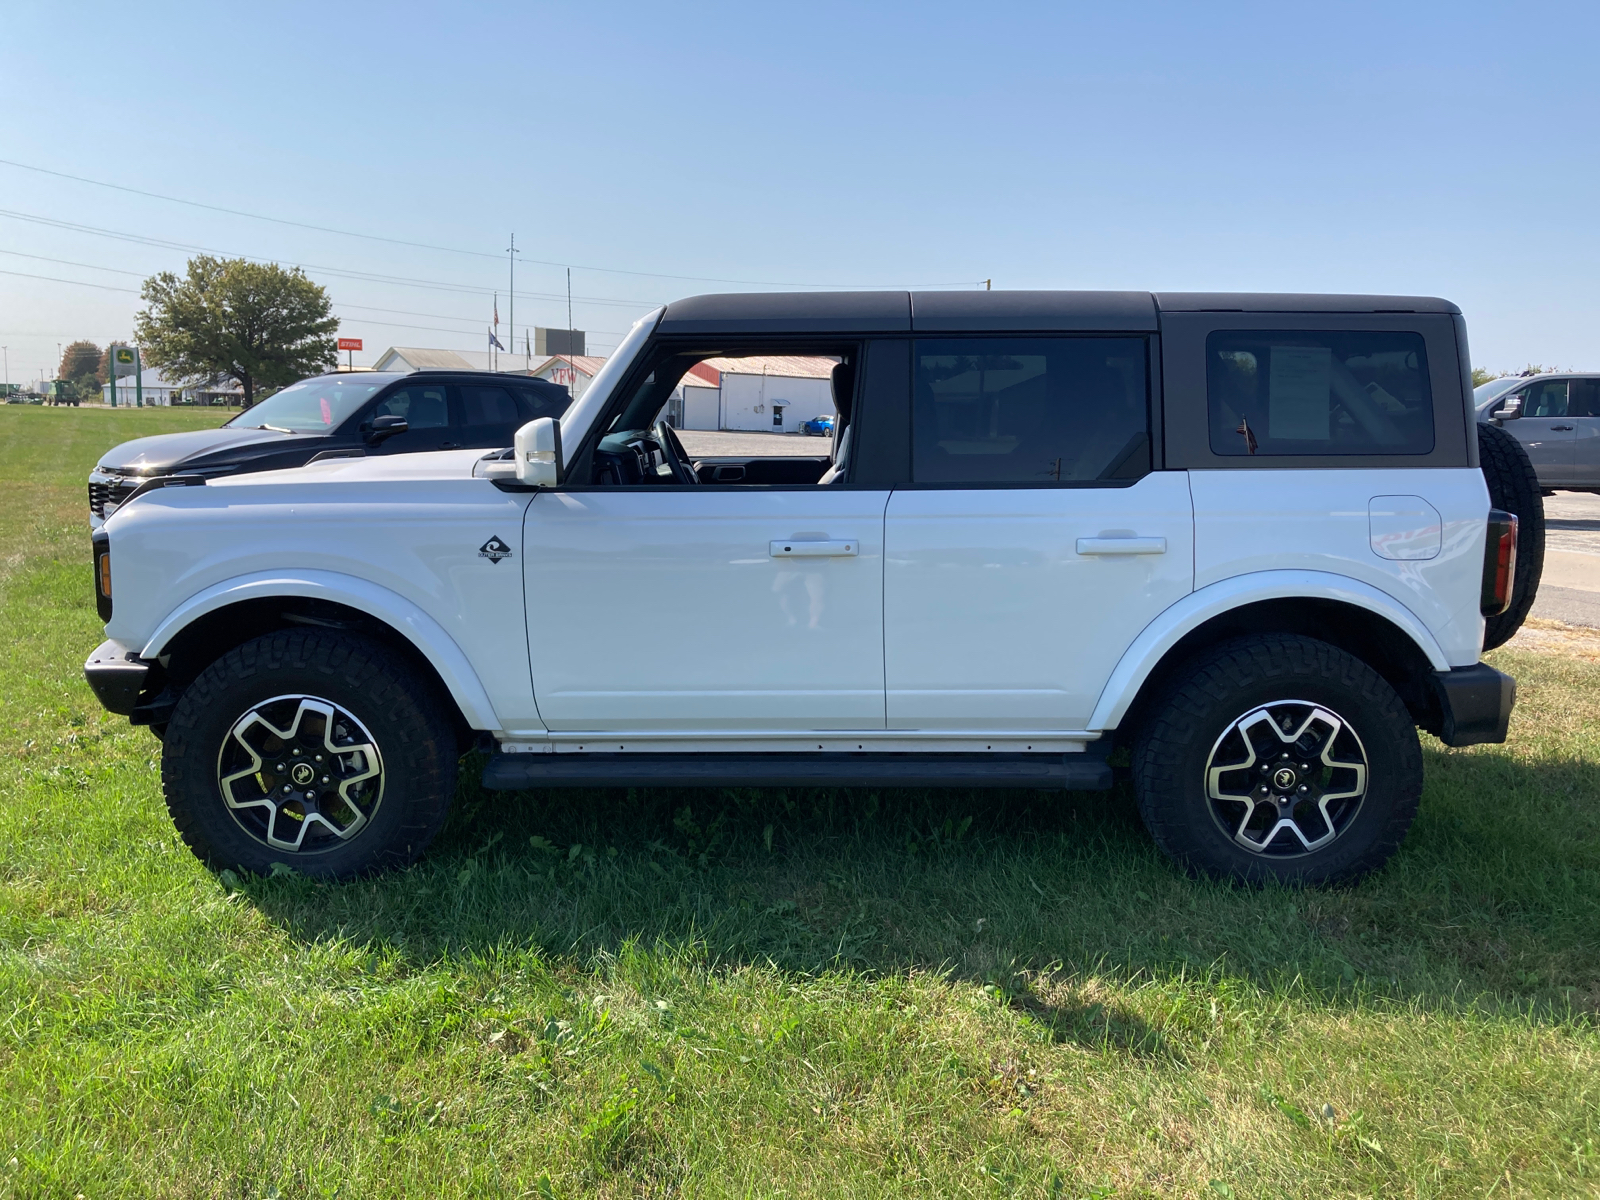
[1446, 149]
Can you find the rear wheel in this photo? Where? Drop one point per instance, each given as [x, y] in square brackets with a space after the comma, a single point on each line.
[1513, 487]
[1278, 758]
[319, 750]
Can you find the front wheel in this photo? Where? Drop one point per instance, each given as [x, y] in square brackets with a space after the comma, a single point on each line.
[1278, 757]
[322, 751]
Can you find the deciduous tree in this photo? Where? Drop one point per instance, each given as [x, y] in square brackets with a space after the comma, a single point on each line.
[257, 323]
[80, 363]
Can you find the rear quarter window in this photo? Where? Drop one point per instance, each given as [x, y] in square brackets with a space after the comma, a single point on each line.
[1308, 392]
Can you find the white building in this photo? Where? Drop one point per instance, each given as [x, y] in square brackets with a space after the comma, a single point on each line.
[770, 393]
[571, 371]
[161, 391]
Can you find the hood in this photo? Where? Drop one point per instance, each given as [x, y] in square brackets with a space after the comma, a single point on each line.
[165, 451]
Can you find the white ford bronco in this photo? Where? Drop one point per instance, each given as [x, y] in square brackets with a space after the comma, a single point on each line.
[1242, 544]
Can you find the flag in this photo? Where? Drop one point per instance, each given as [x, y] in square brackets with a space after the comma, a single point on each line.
[494, 341]
[497, 313]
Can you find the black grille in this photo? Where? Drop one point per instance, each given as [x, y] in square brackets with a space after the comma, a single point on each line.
[101, 494]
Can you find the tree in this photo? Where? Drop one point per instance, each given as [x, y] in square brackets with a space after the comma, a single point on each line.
[1481, 376]
[80, 364]
[253, 322]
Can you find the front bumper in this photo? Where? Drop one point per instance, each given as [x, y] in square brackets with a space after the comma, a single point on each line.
[1474, 704]
[117, 675]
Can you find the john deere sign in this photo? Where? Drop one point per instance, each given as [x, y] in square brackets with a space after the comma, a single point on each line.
[125, 361]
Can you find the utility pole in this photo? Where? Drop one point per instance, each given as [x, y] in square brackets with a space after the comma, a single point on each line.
[511, 256]
[138, 377]
[569, 311]
[55, 392]
[7, 351]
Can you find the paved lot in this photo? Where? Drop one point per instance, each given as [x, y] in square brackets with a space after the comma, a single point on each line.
[706, 443]
[1570, 588]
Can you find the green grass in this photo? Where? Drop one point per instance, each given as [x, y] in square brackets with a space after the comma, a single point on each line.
[769, 993]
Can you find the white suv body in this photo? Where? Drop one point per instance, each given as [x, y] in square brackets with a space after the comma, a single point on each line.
[1037, 516]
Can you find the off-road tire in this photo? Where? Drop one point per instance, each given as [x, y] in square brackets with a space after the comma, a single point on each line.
[400, 709]
[1199, 705]
[1513, 487]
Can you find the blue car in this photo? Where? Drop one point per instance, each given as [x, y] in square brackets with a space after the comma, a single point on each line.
[818, 427]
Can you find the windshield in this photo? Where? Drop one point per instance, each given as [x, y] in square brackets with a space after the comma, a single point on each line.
[310, 406]
[1485, 392]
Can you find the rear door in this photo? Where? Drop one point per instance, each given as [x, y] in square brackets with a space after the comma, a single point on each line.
[1035, 542]
[1546, 430]
[1584, 406]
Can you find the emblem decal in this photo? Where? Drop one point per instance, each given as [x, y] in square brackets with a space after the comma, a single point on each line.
[494, 550]
[1285, 779]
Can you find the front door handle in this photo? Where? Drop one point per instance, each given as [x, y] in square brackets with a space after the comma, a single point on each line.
[838, 548]
[1561, 429]
[1122, 545]
[449, 445]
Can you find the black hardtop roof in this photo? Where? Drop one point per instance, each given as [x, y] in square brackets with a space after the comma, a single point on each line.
[906, 312]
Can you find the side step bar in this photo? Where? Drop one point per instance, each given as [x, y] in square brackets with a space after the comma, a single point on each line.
[1074, 772]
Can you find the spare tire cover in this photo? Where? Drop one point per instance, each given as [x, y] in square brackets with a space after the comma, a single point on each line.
[1514, 487]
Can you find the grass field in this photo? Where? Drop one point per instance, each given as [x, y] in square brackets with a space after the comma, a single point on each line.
[769, 993]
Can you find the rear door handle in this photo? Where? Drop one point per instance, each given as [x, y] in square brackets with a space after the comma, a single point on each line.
[838, 548]
[449, 445]
[1122, 545]
[1561, 429]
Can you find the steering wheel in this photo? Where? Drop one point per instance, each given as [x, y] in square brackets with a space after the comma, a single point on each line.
[677, 457]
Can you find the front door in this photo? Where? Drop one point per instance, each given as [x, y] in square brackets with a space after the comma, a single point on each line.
[1545, 429]
[706, 608]
[430, 422]
[1034, 544]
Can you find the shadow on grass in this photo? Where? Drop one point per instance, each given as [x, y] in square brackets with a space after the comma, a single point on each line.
[1004, 888]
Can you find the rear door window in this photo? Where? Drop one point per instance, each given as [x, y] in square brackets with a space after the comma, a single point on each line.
[1283, 392]
[1030, 410]
[1584, 398]
[490, 405]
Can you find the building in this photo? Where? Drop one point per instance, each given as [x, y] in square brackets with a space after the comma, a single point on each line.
[161, 391]
[767, 393]
[572, 371]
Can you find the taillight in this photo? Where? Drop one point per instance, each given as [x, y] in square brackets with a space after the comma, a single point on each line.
[1499, 563]
[102, 575]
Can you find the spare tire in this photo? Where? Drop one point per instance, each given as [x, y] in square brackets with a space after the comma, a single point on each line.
[1514, 487]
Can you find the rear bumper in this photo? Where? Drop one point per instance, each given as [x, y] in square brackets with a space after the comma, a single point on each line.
[117, 675]
[1474, 704]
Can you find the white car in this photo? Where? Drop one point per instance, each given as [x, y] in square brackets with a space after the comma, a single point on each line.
[1246, 537]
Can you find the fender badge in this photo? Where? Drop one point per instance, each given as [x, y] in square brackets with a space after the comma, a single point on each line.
[494, 550]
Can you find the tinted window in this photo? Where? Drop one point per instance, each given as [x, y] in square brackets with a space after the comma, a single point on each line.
[1318, 393]
[1585, 400]
[1548, 399]
[310, 406]
[1030, 410]
[490, 406]
[422, 407]
[536, 402]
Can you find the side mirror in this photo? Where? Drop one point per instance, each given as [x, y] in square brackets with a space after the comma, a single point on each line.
[1510, 410]
[383, 427]
[538, 453]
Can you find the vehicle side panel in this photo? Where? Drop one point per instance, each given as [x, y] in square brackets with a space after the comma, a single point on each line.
[1337, 521]
[419, 538]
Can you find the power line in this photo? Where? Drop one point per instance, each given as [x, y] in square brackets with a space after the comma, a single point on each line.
[373, 237]
[338, 272]
[80, 283]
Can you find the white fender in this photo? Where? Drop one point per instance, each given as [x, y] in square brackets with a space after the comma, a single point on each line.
[1199, 607]
[419, 628]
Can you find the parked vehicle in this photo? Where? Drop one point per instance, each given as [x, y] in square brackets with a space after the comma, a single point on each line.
[334, 416]
[818, 427]
[1244, 540]
[1556, 417]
